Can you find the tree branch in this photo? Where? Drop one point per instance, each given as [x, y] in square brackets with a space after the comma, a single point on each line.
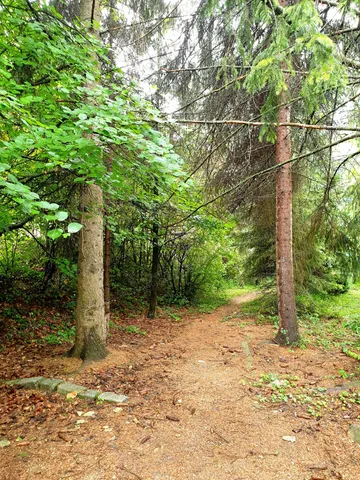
[261, 173]
[261, 124]
[16, 226]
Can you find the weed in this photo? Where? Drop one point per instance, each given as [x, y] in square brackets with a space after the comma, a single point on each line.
[172, 314]
[63, 335]
[343, 374]
[134, 329]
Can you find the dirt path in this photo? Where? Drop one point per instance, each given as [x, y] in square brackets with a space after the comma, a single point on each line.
[194, 414]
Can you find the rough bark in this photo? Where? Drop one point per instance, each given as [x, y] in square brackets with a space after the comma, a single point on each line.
[288, 327]
[91, 328]
[91, 331]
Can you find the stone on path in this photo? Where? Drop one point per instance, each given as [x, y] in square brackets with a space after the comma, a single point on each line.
[70, 390]
[49, 384]
[89, 394]
[65, 388]
[32, 382]
[248, 355]
[354, 433]
[113, 397]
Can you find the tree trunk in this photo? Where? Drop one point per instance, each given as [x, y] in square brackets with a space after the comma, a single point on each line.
[107, 259]
[91, 331]
[90, 340]
[154, 270]
[288, 328]
[107, 255]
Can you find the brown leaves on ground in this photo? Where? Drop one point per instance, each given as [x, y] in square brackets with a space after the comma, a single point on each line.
[194, 408]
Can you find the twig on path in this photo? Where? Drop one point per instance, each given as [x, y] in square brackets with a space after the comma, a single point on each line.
[76, 474]
[154, 418]
[212, 430]
[62, 436]
[131, 473]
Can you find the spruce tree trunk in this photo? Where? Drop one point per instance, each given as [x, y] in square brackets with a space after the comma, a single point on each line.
[288, 327]
[91, 331]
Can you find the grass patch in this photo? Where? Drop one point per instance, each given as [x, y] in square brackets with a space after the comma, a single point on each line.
[263, 307]
[237, 291]
[331, 321]
[326, 321]
[314, 401]
[212, 302]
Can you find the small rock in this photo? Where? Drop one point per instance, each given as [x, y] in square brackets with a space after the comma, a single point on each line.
[289, 438]
[49, 384]
[89, 394]
[4, 443]
[66, 388]
[354, 432]
[113, 397]
[32, 382]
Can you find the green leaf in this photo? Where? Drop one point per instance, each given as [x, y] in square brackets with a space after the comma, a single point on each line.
[74, 227]
[4, 166]
[55, 233]
[47, 205]
[61, 216]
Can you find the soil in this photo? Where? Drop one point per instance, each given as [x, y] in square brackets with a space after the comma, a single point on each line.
[196, 408]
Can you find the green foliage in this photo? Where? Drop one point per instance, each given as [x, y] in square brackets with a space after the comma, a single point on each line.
[296, 32]
[134, 329]
[63, 335]
[57, 119]
[284, 389]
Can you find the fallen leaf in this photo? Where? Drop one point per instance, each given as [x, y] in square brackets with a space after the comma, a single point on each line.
[4, 443]
[71, 395]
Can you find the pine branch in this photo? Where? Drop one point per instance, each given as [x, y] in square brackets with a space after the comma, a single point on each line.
[121, 27]
[153, 28]
[261, 124]
[261, 173]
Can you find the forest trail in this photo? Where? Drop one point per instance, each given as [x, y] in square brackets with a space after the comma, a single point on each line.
[194, 413]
